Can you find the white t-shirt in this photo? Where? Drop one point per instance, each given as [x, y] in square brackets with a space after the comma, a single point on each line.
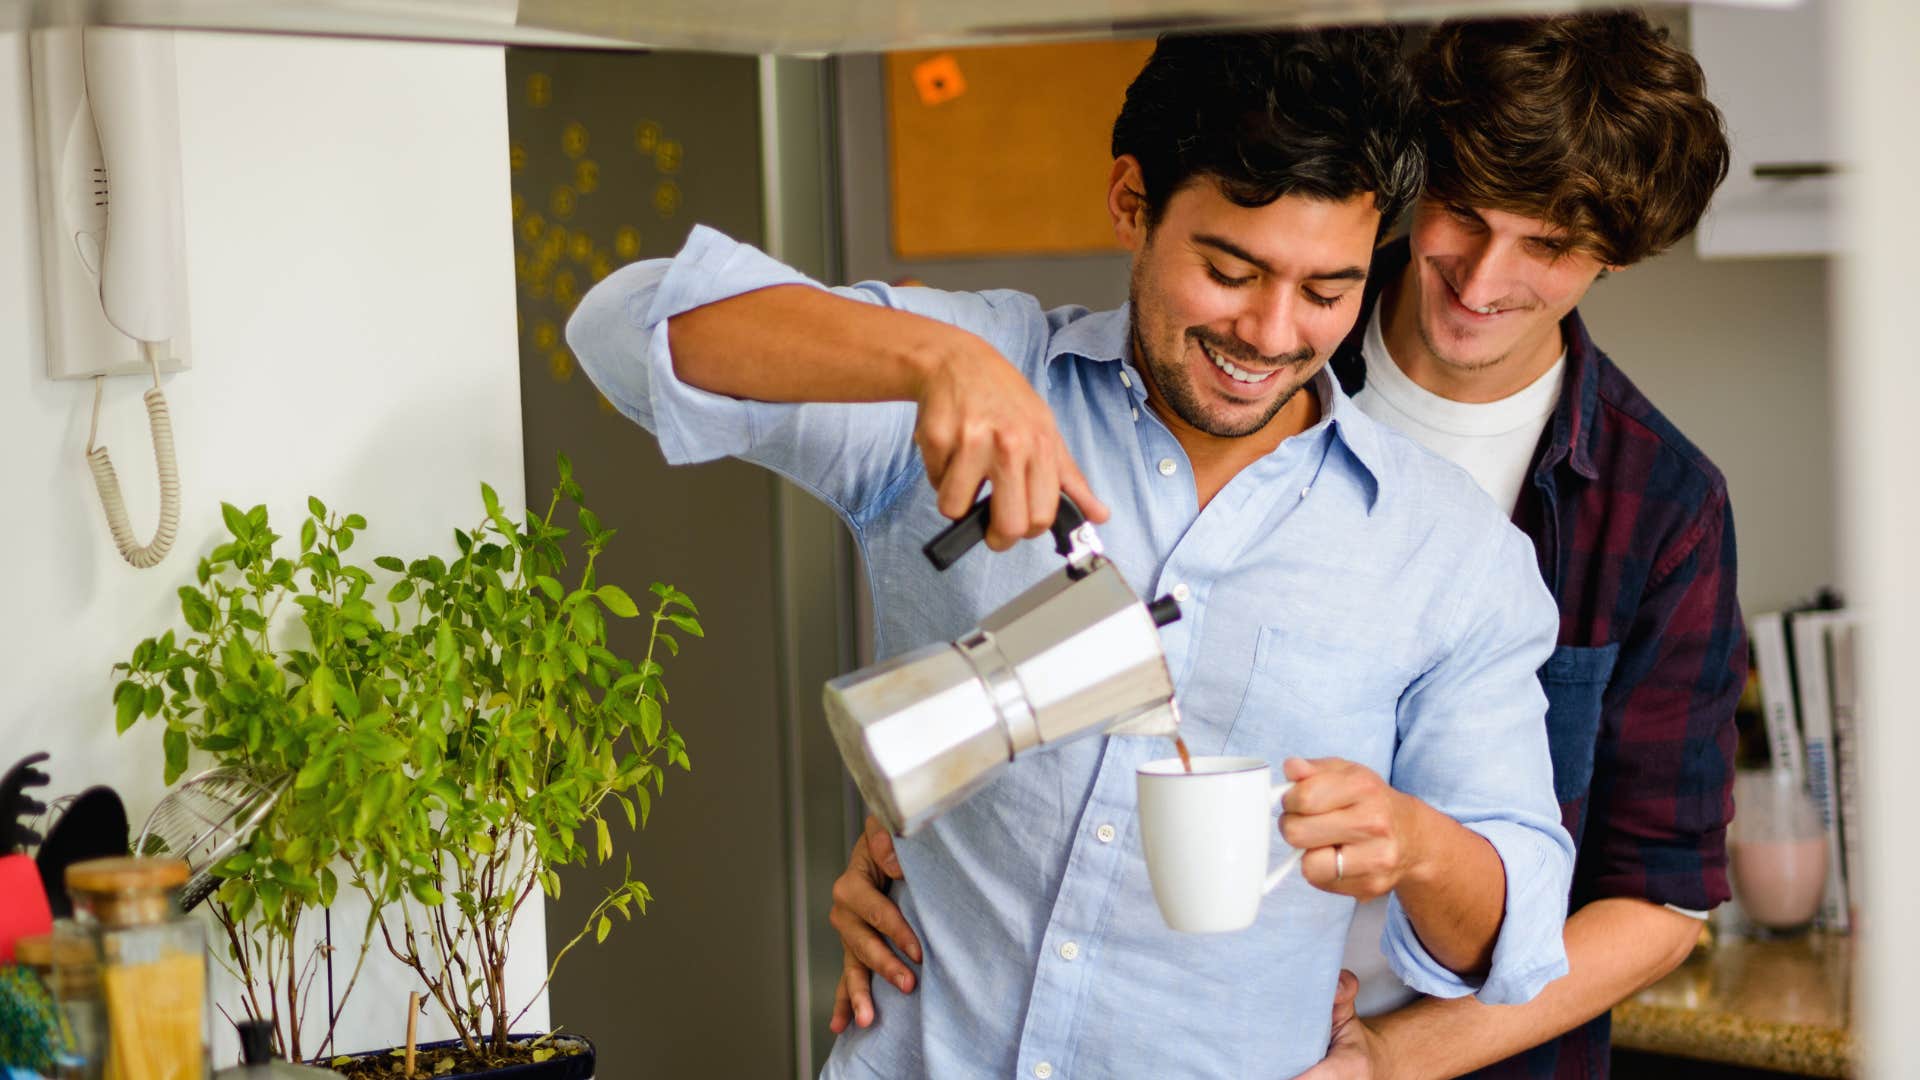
[1494, 441]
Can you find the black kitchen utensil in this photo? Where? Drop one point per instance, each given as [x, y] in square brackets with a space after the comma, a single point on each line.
[17, 808]
[94, 827]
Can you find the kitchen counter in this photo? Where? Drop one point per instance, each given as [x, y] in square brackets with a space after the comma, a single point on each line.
[1781, 1005]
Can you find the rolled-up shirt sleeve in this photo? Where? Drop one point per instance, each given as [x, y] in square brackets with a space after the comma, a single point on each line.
[619, 334]
[852, 456]
[1473, 744]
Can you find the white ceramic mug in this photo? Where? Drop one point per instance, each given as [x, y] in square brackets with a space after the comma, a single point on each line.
[1206, 835]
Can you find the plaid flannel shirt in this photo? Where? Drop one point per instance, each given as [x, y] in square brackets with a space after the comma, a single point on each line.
[1634, 535]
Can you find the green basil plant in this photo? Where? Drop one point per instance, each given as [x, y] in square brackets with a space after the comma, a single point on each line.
[454, 733]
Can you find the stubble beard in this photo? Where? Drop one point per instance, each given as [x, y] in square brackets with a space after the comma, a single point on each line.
[1444, 357]
[1453, 361]
[1168, 378]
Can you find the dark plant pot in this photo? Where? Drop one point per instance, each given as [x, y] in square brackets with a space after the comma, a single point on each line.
[559, 1067]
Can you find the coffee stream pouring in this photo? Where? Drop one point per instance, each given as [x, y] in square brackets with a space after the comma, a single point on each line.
[1077, 654]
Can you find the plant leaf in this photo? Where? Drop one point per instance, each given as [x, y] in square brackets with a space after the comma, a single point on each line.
[176, 747]
[617, 601]
[348, 705]
[314, 772]
[127, 700]
[193, 605]
[372, 798]
[650, 720]
[320, 691]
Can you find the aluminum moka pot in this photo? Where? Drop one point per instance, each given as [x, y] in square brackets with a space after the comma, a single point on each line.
[1077, 654]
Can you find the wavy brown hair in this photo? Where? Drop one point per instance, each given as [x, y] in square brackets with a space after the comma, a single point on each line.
[1595, 123]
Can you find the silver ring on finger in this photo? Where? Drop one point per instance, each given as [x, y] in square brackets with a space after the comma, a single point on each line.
[1339, 863]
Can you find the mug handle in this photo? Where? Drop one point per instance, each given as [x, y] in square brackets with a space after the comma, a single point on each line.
[1279, 874]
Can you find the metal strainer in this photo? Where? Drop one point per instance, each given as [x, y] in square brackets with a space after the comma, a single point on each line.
[206, 819]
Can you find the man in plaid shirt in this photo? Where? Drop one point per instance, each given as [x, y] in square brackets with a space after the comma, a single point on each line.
[1560, 149]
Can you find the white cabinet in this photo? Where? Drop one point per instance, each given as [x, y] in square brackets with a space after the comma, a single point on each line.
[1770, 71]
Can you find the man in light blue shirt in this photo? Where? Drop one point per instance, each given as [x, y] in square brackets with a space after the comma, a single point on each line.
[1355, 607]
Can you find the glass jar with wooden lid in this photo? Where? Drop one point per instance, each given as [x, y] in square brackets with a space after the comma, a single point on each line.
[66, 964]
[152, 966]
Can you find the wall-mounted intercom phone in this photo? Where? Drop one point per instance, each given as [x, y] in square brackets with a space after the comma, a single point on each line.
[112, 234]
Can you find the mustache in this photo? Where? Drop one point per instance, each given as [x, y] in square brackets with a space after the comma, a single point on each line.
[1246, 355]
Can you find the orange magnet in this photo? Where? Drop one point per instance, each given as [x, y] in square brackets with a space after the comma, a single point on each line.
[939, 79]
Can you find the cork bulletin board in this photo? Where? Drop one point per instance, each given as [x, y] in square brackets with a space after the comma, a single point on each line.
[1005, 150]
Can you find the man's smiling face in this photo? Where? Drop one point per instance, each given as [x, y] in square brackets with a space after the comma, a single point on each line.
[1493, 285]
[1235, 308]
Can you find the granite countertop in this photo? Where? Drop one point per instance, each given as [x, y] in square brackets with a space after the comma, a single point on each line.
[1783, 1005]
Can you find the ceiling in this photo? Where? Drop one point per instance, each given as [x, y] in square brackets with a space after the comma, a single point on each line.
[793, 27]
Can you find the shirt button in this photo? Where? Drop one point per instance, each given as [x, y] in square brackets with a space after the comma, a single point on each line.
[1043, 1070]
[1106, 834]
[1070, 951]
[1182, 593]
[1125, 379]
[1167, 467]
[1304, 490]
[1136, 412]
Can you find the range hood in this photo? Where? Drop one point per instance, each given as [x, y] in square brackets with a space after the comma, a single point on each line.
[792, 27]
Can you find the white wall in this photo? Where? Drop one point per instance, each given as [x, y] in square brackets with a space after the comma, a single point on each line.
[351, 274]
[1876, 385]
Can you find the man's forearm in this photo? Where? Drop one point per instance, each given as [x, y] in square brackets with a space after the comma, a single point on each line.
[1455, 893]
[1615, 947]
[799, 343]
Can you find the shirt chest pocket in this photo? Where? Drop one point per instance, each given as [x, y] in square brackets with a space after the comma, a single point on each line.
[1575, 681]
[1315, 697]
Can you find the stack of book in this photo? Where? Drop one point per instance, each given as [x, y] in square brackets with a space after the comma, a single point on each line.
[1806, 664]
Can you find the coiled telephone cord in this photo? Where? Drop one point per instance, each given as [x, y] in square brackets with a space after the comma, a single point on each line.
[150, 554]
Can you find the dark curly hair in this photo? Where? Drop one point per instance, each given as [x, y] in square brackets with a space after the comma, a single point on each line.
[1593, 122]
[1329, 114]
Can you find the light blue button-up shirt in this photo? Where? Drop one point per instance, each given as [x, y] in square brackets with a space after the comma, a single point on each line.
[1351, 595]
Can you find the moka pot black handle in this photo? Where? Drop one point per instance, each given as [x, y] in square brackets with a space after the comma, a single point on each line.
[959, 538]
